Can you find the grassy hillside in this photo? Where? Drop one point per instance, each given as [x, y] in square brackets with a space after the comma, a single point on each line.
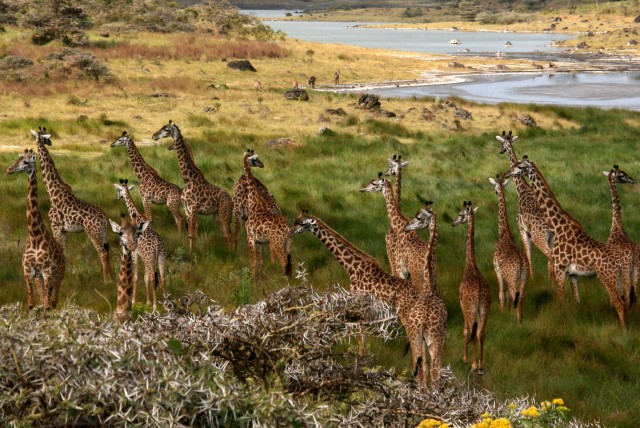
[576, 352]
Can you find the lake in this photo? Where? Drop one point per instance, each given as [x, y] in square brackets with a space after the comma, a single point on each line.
[605, 90]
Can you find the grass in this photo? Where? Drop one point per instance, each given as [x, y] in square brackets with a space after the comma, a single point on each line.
[573, 351]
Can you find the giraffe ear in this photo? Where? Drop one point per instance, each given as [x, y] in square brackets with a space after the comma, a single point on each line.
[35, 134]
[115, 226]
[605, 173]
[475, 210]
[505, 182]
[143, 226]
[132, 186]
[492, 181]
[117, 186]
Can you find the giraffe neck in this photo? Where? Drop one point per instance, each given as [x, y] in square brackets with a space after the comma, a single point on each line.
[521, 185]
[135, 215]
[503, 218]
[399, 187]
[430, 280]
[397, 220]
[35, 223]
[555, 216]
[125, 283]
[188, 168]
[140, 166]
[52, 181]
[471, 252]
[352, 259]
[617, 230]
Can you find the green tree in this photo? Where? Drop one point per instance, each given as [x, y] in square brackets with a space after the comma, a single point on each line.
[64, 20]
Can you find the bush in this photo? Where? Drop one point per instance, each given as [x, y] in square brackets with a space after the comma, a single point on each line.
[86, 63]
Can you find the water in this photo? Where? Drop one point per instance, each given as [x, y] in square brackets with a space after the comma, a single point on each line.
[605, 90]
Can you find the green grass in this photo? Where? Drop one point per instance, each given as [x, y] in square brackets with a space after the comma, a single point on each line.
[576, 352]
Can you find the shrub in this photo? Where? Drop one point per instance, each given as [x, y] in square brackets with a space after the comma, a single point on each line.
[86, 63]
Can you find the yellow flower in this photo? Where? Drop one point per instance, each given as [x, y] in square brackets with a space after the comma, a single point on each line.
[501, 423]
[531, 412]
[563, 408]
[429, 423]
[545, 405]
[444, 426]
[486, 415]
[483, 424]
[558, 401]
[511, 406]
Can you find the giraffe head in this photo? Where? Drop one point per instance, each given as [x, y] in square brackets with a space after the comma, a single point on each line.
[252, 159]
[524, 167]
[304, 223]
[168, 130]
[506, 140]
[41, 136]
[498, 183]
[129, 233]
[376, 185]
[123, 188]
[26, 163]
[466, 213]
[422, 219]
[123, 140]
[395, 165]
[619, 176]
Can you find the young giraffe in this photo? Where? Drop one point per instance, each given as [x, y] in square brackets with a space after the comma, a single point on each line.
[395, 168]
[129, 235]
[240, 199]
[198, 196]
[67, 212]
[153, 188]
[150, 249]
[408, 248]
[531, 223]
[366, 276]
[509, 261]
[264, 225]
[43, 259]
[575, 253]
[618, 236]
[437, 311]
[475, 295]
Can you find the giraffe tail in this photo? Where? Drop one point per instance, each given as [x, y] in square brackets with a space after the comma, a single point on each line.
[406, 349]
[474, 331]
[155, 280]
[417, 367]
[632, 297]
[287, 269]
[515, 301]
[106, 246]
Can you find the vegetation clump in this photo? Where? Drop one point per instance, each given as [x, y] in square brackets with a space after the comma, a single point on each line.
[88, 64]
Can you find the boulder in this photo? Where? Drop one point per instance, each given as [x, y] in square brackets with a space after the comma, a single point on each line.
[297, 94]
[386, 113]
[369, 102]
[527, 120]
[336, 112]
[464, 114]
[282, 142]
[242, 65]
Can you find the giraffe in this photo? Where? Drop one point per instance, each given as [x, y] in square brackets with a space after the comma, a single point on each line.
[406, 253]
[366, 276]
[509, 261]
[153, 188]
[395, 168]
[43, 260]
[69, 213]
[129, 236]
[264, 225]
[575, 253]
[475, 295]
[198, 196]
[436, 309]
[531, 223]
[240, 200]
[618, 236]
[151, 249]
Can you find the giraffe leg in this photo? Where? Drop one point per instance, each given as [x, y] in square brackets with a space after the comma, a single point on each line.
[47, 282]
[416, 357]
[134, 268]
[474, 357]
[560, 275]
[522, 282]
[528, 248]
[193, 228]
[236, 231]
[100, 244]
[161, 271]
[465, 353]
[57, 282]
[436, 348]
[150, 280]
[501, 290]
[573, 280]
[224, 219]
[28, 279]
[146, 206]
[174, 201]
[616, 301]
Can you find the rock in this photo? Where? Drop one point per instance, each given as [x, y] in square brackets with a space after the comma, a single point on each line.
[527, 120]
[427, 114]
[501, 67]
[323, 130]
[369, 102]
[450, 103]
[386, 113]
[282, 142]
[336, 112]
[323, 119]
[637, 20]
[242, 65]
[105, 35]
[455, 65]
[462, 113]
[137, 117]
[590, 34]
[581, 45]
[557, 19]
[297, 94]
[632, 42]
[159, 95]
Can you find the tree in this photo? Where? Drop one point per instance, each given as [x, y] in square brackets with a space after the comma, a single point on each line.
[57, 20]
